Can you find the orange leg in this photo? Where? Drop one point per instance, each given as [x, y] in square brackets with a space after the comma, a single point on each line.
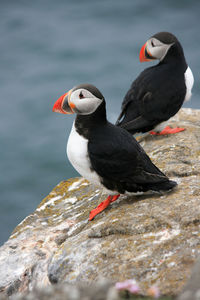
[102, 206]
[168, 130]
[115, 197]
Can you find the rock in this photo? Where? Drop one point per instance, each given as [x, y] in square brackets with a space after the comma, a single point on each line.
[192, 289]
[101, 290]
[151, 238]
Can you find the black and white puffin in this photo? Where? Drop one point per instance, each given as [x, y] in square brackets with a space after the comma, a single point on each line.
[158, 92]
[104, 154]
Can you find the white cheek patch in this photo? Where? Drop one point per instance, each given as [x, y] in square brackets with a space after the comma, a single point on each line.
[165, 50]
[159, 50]
[87, 106]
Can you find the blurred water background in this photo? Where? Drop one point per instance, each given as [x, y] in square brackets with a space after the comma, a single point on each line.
[47, 47]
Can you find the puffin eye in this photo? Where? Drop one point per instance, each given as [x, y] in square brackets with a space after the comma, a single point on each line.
[81, 95]
[152, 44]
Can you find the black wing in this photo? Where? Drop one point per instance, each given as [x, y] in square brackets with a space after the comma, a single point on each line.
[121, 162]
[152, 99]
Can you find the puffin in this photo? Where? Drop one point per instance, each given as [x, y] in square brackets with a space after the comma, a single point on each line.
[159, 91]
[106, 155]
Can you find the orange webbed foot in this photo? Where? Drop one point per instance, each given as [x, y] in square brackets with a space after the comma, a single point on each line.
[168, 130]
[103, 205]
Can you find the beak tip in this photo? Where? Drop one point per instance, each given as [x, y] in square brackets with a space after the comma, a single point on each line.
[140, 59]
[54, 109]
[142, 53]
[58, 106]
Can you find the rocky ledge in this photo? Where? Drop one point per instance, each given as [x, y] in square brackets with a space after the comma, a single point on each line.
[154, 239]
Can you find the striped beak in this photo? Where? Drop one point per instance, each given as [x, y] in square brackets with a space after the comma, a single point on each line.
[63, 105]
[145, 55]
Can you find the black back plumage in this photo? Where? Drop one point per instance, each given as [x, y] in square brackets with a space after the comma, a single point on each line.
[117, 157]
[157, 93]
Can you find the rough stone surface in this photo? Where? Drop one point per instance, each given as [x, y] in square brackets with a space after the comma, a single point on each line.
[101, 290]
[154, 239]
[192, 289]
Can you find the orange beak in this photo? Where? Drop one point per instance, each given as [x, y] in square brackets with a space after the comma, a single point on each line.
[144, 54]
[63, 105]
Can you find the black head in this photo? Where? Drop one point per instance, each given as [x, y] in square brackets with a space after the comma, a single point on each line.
[160, 46]
[165, 37]
[83, 99]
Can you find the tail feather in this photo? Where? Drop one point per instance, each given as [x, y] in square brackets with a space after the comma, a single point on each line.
[158, 187]
[163, 186]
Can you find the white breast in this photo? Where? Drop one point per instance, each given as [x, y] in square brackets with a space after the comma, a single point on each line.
[77, 152]
[189, 81]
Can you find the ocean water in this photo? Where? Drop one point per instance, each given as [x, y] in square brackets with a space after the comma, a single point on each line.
[47, 47]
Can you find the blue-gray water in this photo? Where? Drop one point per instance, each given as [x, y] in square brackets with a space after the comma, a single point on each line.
[47, 47]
